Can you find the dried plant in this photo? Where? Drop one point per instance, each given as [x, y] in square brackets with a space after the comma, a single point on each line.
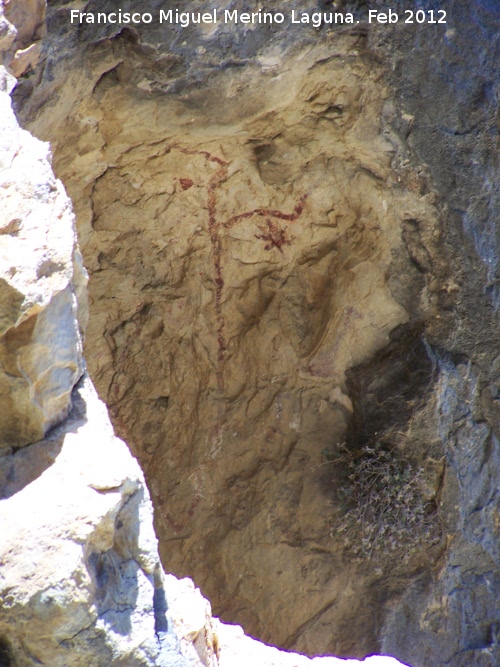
[384, 509]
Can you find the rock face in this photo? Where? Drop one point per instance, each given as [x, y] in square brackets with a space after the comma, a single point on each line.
[80, 579]
[293, 306]
[41, 275]
[27, 21]
[455, 132]
[241, 262]
[81, 583]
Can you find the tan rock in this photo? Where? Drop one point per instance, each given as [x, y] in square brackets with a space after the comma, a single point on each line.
[228, 377]
[41, 278]
[28, 16]
[7, 34]
[80, 582]
[240, 255]
[25, 59]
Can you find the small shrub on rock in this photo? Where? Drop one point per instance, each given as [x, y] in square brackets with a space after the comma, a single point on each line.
[380, 493]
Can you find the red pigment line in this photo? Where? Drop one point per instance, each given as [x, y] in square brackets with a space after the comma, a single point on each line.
[208, 156]
[276, 237]
[214, 226]
[273, 213]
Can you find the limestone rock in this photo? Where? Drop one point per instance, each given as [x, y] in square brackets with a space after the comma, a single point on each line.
[81, 582]
[27, 21]
[242, 259]
[80, 578]
[42, 283]
[28, 17]
[7, 34]
[291, 241]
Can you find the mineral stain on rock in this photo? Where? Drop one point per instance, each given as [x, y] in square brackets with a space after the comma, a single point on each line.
[266, 283]
[290, 286]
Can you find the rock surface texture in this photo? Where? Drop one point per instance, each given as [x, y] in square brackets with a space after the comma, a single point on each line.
[81, 582]
[290, 235]
[80, 577]
[41, 275]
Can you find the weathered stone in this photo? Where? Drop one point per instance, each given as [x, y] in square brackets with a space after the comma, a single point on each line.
[224, 317]
[451, 615]
[28, 17]
[41, 281]
[240, 332]
[80, 582]
[22, 25]
[7, 34]
[80, 578]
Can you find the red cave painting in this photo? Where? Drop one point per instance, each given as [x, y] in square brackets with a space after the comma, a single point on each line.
[186, 183]
[272, 234]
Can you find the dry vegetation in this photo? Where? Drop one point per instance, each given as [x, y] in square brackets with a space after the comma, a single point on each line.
[384, 507]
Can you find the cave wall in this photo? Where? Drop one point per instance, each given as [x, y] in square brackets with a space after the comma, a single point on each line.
[80, 577]
[453, 97]
[291, 245]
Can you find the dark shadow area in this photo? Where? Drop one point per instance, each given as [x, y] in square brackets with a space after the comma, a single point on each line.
[160, 607]
[387, 390]
[379, 474]
[6, 659]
